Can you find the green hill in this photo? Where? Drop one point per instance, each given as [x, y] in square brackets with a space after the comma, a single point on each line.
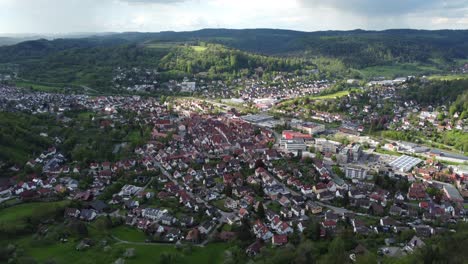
[91, 61]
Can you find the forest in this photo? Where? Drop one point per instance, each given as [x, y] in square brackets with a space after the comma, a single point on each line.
[233, 53]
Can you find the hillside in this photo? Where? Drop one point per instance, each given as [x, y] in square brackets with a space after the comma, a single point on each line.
[358, 48]
[218, 60]
[91, 61]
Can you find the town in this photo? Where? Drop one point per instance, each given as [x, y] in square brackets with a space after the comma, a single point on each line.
[204, 171]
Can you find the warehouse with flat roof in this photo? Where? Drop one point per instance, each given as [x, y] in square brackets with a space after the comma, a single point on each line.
[405, 163]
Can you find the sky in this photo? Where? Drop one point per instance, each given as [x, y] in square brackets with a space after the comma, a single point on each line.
[72, 16]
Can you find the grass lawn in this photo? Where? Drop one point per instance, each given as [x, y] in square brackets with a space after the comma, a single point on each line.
[15, 215]
[151, 253]
[15, 153]
[405, 69]
[42, 250]
[227, 228]
[220, 205]
[388, 152]
[367, 220]
[10, 202]
[129, 234]
[212, 253]
[450, 77]
[331, 96]
[274, 206]
[38, 87]
[199, 48]
[161, 45]
[218, 180]
[85, 115]
[134, 136]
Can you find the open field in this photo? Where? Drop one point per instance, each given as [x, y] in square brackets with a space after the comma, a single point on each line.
[43, 250]
[17, 218]
[331, 96]
[15, 213]
[38, 87]
[450, 77]
[199, 48]
[220, 205]
[128, 233]
[163, 45]
[399, 70]
[150, 253]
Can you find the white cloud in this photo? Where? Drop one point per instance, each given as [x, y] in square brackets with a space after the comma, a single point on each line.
[60, 16]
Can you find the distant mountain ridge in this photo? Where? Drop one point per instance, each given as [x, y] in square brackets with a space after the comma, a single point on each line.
[413, 44]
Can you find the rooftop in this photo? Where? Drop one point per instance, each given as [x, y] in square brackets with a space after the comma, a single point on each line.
[405, 163]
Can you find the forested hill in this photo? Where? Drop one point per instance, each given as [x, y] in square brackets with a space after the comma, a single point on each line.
[90, 61]
[357, 48]
[213, 59]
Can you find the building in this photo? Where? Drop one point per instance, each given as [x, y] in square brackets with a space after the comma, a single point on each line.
[324, 145]
[309, 127]
[405, 163]
[295, 145]
[289, 135]
[257, 118]
[355, 172]
[188, 86]
[349, 154]
[452, 193]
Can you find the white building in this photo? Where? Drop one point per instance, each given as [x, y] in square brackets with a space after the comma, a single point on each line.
[355, 172]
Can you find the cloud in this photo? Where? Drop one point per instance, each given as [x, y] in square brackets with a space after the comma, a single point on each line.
[374, 8]
[63, 16]
[164, 2]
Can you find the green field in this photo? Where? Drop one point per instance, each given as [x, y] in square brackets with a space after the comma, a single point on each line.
[331, 96]
[450, 77]
[144, 253]
[18, 219]
[162, 45]
[199, 48]
[16, 214]
[399, 70]
[220, 205]
[84, 116]
[39, 87]
[388, 152]
[128, 233]
[43, 250]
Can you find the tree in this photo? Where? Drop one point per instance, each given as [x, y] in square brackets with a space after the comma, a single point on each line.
[259, 164]
[312, 231]
[270, 144]
[228, 190]
[336, 252]
[319, 156]
[79, 228]
[368, 258]
[261, 211]
[168, 258]
[345, 199]
[243, 232]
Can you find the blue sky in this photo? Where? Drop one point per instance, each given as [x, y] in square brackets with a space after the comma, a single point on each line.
[69, 16]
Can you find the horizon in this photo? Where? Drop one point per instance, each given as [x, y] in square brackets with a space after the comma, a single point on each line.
[70, 16]
[100, 33]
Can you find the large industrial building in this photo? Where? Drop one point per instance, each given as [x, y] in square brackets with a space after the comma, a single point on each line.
[405, 163]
